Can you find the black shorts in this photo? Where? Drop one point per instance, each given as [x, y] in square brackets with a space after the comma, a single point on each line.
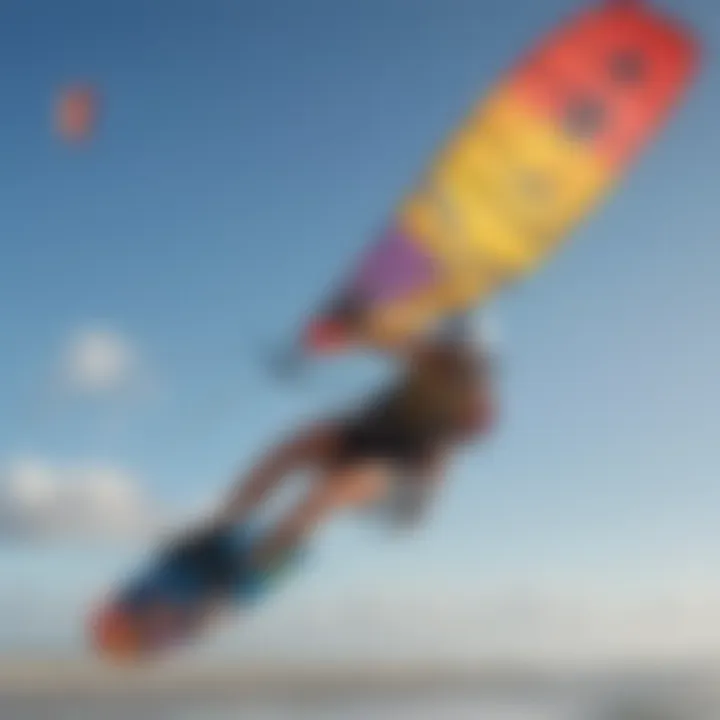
[373, 438]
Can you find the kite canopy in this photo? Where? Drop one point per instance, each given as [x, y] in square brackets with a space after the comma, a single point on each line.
[76, 113]
[529, 163]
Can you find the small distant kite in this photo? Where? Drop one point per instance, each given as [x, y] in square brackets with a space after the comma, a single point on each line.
[76, 113]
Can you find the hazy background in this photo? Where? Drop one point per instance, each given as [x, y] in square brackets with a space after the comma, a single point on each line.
[246, 151]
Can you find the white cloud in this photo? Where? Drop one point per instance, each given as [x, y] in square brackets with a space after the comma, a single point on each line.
[98, 361]
[39, 499]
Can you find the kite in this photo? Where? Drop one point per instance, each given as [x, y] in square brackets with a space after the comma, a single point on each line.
[76, 113]
[527, 165]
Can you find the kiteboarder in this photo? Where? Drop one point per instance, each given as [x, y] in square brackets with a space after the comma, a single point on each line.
[393, 449]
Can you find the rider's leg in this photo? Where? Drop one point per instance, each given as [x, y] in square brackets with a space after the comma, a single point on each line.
[339, 489]
[309, 448]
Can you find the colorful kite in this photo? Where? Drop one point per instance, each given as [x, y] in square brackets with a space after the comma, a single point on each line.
[531, 161]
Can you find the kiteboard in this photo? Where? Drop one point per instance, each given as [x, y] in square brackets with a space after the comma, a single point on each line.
[175, 599]
[530, 162]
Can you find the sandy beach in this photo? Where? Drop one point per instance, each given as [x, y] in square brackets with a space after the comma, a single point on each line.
[79, 690]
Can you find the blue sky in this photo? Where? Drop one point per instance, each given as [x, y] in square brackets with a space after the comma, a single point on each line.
[246, 152]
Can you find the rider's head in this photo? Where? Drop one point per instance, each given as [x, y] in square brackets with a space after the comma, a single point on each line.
[477, 337]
